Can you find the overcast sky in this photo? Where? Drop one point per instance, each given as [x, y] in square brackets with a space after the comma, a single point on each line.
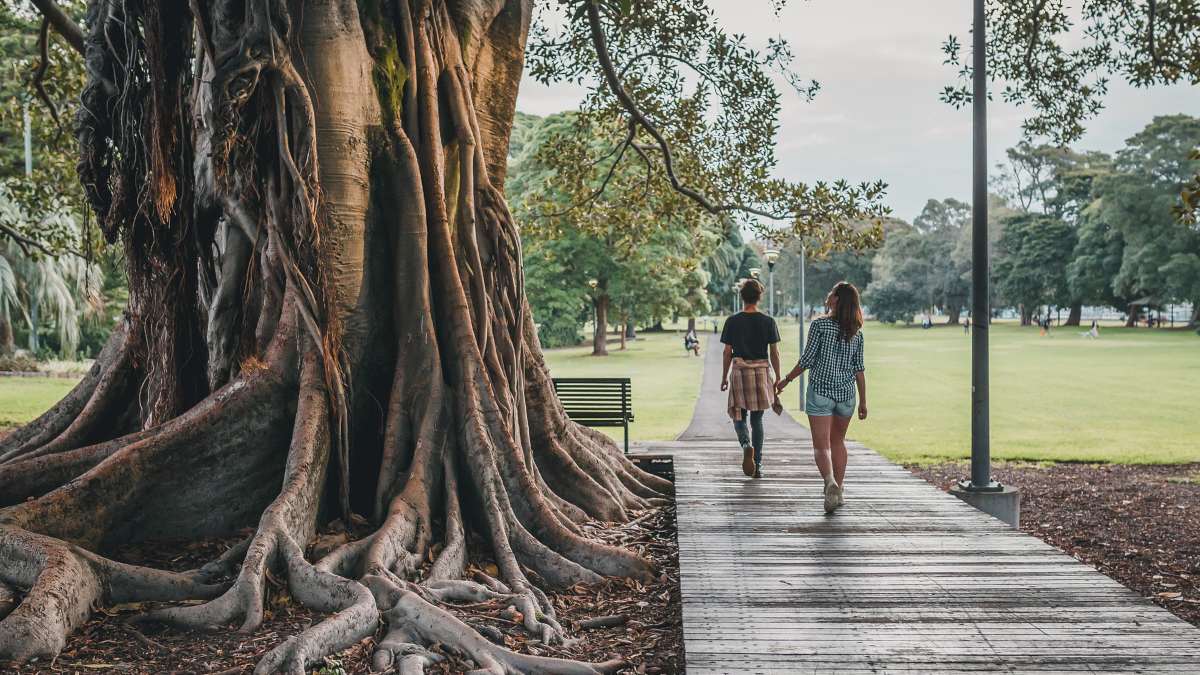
[877, 115]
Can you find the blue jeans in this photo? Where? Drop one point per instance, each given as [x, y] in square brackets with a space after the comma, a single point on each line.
[756, 426]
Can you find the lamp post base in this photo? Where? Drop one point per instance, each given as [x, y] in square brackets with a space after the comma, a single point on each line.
[999, 501]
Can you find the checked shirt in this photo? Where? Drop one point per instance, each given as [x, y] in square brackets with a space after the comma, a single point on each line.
[832, 361]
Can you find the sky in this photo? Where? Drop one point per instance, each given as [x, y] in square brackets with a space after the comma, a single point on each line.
[878, 115]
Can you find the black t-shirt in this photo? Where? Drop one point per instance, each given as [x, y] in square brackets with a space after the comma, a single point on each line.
[749, 333]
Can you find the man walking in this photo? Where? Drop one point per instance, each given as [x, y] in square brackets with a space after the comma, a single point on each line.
[751, 341]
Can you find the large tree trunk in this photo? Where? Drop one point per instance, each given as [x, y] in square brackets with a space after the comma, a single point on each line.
[7, 341]
[1132, 316]
[600, 334]
[691, 326]
[952, 315]
[327, 317]
[1075, 315]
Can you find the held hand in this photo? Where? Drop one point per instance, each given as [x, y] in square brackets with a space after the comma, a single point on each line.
[780, 385]
[724, 385]
[862, 411]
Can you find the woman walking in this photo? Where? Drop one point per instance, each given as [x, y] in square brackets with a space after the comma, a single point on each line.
[834, 356]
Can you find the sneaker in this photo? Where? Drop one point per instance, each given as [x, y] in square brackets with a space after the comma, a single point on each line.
[758, 472]
[748, 467]
[831, 496]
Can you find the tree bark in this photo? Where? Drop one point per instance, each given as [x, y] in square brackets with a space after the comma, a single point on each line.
[1131, 318]
[691, 325]
[952, 315]
[630, 330]
[7, 340]
[1075, 315]
[327, 318]
[600, 334]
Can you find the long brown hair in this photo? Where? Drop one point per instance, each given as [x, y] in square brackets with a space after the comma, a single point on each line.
[847, 311]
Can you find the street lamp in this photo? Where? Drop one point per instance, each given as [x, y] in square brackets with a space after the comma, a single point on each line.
[741, 282]
[985, 494]
[754, 272]
[593, 283]
[771, 255]
[800, 316]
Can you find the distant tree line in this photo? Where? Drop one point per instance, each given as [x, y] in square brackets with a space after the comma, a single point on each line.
[1068, 229]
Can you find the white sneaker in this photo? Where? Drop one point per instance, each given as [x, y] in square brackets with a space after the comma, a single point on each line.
[831, 496]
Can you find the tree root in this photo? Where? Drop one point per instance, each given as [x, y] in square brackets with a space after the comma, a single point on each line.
[411, 619]
[64, 582]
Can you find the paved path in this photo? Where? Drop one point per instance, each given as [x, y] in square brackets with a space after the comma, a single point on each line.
[904, 578]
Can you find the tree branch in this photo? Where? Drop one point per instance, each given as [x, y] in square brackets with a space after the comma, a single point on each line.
[62, 23]
[1155, 58]
[25, 243]
[639, 117]
[620, 150]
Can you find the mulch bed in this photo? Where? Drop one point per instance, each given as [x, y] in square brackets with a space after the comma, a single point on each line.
[1137, 524]
[648, 631]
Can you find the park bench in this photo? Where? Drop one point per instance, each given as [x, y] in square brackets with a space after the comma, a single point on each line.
[597, 401]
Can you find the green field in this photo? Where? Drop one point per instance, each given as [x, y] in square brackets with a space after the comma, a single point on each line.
[24, 398]
[666, 381]
[1130, 396]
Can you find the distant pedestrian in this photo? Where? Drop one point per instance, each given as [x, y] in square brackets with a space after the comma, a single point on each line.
[1093, 332]
[750, 369]
[691, 342]
[834, 355]
[967, 326]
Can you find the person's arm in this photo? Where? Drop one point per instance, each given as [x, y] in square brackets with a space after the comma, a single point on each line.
[860, 378]
[726, 360]
[812, 349]
[775, 359]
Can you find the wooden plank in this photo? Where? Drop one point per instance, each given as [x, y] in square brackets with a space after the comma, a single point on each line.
[904, 578]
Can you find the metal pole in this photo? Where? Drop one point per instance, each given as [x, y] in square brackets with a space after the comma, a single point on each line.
[771, 286]
[801, 316]
[28, 140]
[981, 478]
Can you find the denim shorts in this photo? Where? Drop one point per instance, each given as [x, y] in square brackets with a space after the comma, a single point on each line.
[823, 406]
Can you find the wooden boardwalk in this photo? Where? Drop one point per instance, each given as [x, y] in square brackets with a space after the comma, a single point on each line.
[904, 578]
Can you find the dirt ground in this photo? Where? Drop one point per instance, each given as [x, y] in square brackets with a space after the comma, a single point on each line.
[1138, 524]
[648, 633]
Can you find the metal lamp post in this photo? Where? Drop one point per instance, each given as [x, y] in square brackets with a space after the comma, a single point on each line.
[740, 283]
[800, 316]
[771, 255]
[981, 452]
[985, 494]
[593, 283]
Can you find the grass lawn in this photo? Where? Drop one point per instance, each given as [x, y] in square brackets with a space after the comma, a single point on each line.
[666, 381]
[1130, 396]
[24, 398]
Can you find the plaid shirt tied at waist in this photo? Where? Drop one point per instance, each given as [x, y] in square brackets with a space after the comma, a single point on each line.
[751, 387]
